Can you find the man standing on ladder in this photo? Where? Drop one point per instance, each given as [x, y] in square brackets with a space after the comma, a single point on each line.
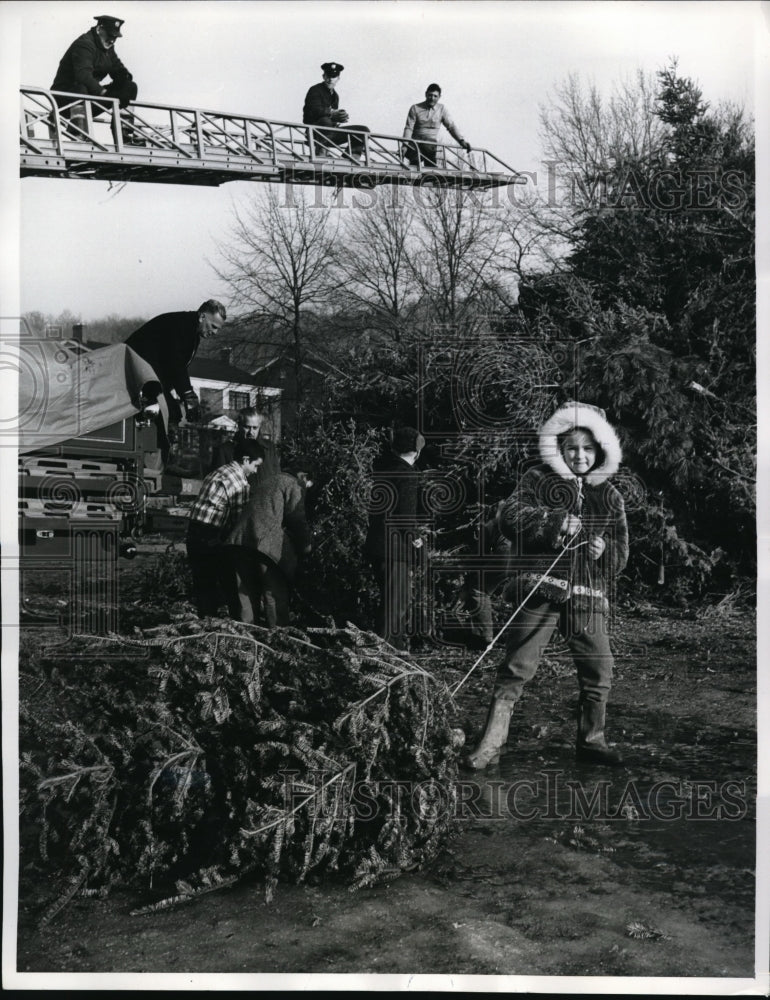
[84, 65]
[422, 125]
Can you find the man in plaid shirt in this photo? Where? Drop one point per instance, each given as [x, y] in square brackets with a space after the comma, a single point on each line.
[223, 495]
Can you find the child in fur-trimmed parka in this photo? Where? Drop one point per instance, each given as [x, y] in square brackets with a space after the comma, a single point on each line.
[567, 525]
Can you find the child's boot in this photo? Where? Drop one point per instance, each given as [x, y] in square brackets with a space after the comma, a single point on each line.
[591, 744]
[495, 735]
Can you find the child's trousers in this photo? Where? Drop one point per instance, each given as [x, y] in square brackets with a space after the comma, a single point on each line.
[585, 631]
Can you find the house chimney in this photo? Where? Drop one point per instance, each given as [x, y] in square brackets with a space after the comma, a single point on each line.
[225, 354]
[77, 332]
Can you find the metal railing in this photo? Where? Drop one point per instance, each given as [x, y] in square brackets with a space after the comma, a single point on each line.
[83, 132]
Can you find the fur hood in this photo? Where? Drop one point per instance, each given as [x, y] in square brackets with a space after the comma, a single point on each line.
[566, 418]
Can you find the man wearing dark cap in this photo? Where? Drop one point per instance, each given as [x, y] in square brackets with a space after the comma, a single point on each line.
[422, 125]
[394, 535]
[84, 66]
[169, 342]
[322, 107]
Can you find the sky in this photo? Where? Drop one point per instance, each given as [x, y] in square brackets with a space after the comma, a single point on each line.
[144, 249]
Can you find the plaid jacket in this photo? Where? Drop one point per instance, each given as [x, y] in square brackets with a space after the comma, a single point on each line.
[224, 494]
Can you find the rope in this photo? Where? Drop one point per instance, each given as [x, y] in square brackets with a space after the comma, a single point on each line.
[568, 547]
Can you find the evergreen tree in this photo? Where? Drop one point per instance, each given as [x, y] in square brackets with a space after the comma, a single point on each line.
[659, 289]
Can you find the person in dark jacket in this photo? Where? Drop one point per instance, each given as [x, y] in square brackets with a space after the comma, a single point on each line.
[266, 543]
[570, 540]
[250, 422]
[322, 107]
[86, 63]
[475, 598]
[394, 534]
[169, 343]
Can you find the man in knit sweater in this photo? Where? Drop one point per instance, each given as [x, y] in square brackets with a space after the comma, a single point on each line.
[422, 127]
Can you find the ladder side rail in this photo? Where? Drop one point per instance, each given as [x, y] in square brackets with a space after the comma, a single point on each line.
[27, 122]
[389, 150]
[34, 111]
[163, 137]
[117, 131]
[40, 97]
[230, 140]
[214, 130]
[252, 153]
[86, 100]
[300, 140]
[262, 130]
[26, 141]
[451, 158]
[186, 116]
[268, 126]
[311, 142]
[278, 143]
[198, 128]
[490, 158]
[280, 137]
[182, 123]
[285, 137]
[270, 123]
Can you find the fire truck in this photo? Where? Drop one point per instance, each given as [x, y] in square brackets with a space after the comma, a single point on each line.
[85, 498]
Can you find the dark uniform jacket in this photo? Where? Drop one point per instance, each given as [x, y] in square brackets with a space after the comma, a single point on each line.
[395, 498]
[86, 63]
[169, 342]
[319, 104]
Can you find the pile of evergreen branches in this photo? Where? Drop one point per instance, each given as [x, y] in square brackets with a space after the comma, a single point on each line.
[190, 755]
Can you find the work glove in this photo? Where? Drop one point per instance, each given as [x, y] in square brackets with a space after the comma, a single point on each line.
[304, 480]
[148, 413]
[466, 145]
[339, 117]
[192, 407]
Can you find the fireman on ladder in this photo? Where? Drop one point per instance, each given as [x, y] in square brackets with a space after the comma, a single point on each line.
[322, 107]
[84, 66]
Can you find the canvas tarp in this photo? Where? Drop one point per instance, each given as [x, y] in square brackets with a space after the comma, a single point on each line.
[66, 390]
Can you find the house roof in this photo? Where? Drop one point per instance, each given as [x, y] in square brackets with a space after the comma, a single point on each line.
[220, 371]
[313, 365]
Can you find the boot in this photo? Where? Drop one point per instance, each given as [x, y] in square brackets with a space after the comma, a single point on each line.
[131, 136]
[495, 735]
[591, 745]
[79, 121]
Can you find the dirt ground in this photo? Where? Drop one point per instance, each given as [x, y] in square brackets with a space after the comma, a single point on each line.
[655, 879]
